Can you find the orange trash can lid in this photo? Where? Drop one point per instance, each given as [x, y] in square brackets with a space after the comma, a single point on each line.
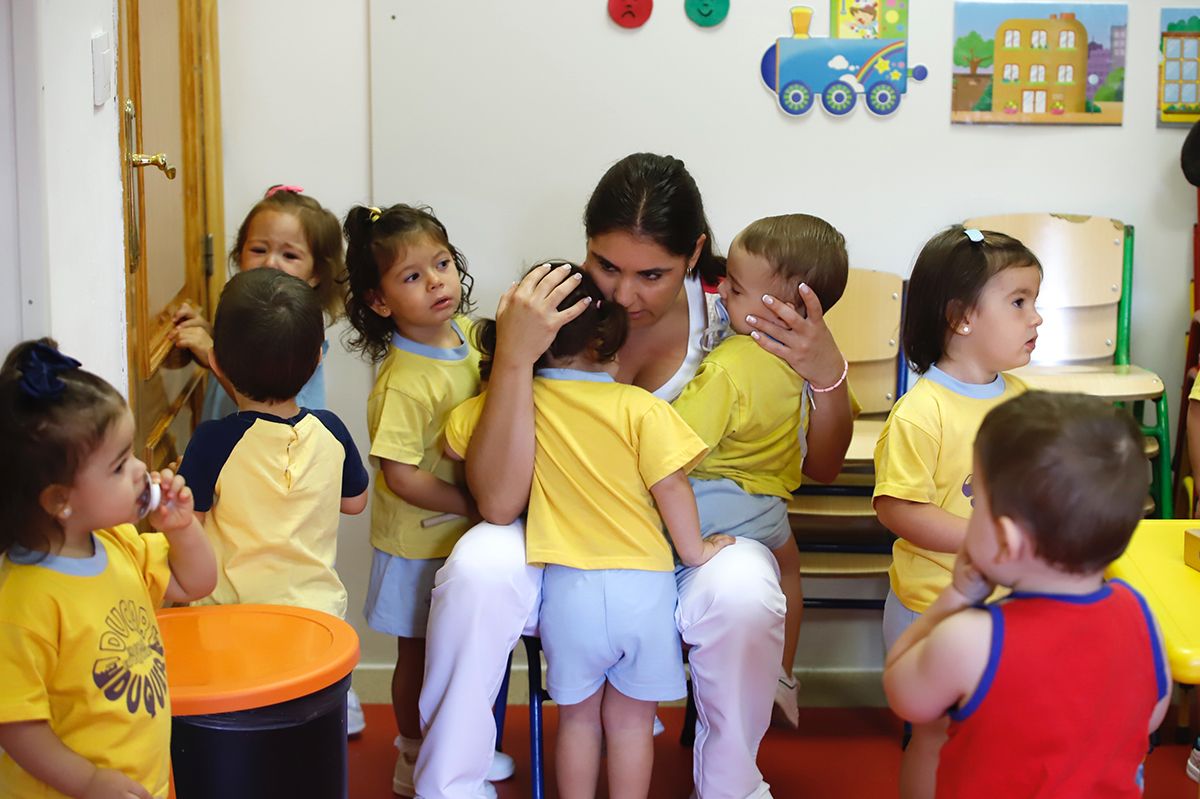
[224, 658]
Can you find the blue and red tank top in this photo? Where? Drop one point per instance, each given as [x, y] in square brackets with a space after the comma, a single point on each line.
[1063, 708]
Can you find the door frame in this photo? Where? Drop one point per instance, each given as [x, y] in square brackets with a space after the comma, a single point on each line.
[148, 345]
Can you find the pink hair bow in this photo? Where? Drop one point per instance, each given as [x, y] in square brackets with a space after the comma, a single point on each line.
[283, 187]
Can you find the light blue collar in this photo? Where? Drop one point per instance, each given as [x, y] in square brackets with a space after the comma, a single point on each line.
[438, 353]
[74, 567]
[973, 390]
[575, 374]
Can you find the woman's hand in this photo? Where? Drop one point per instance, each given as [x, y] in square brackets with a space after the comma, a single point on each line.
[802, 340]
[528, 319]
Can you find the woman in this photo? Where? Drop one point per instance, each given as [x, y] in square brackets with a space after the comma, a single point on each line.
[649, 244]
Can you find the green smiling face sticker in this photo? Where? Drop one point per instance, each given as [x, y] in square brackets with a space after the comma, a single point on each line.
[706, 13]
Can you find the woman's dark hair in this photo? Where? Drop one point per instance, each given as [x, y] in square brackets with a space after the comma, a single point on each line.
[267, 334]
[654, 196]
[946, 282]
[321, 232]
[602, 327]
[1071, 470]
[52, 418]
[374, 239]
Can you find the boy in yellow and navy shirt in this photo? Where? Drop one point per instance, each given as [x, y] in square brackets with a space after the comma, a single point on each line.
[751, 408]
[271, 480]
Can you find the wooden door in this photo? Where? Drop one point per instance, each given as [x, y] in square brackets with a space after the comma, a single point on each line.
[170, 153]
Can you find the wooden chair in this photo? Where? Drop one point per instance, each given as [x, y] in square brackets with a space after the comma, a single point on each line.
[835, 525]
[1086, 304]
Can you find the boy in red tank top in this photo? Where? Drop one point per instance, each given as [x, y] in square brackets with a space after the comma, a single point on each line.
[1053, 690]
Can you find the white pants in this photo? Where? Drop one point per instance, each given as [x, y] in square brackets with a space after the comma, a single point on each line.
[730, 611]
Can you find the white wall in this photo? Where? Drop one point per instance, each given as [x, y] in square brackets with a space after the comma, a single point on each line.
[503, 121]
[68, 185]
[504, 118]
[10, 277]
[294, 87]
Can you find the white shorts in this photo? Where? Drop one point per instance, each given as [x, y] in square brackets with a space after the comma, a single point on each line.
[398, 594]
[611, 624]
[897, 617]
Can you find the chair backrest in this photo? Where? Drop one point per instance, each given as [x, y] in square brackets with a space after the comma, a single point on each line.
[866, 325]
[1086, 270]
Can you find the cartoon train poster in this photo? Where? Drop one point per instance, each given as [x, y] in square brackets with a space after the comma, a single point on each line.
[865, 57]
[1039, 63]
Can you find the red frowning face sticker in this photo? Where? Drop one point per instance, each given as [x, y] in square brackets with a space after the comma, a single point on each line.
[630, 13]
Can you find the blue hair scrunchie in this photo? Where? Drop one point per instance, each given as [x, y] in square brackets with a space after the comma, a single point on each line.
[40, 370]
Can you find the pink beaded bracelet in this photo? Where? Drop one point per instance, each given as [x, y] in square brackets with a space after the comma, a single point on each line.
[840, 380]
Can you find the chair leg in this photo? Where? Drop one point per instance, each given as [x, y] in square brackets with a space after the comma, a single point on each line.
[1163, 466]
[687, 736]
[533, 652]
[500, 709]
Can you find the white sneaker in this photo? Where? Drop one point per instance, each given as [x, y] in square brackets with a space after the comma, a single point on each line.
[502, 767]
[1193, 764]
[406, 764]
[658, 729]
[356, 722]
[786, 712]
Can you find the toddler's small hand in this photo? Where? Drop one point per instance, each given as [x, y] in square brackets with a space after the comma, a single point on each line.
[969, 580]
[175, 510]
[195, 339]
[709, 547]
[109, 784]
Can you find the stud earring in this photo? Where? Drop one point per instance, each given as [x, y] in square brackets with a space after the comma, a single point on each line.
[966, 329]
[65, 513]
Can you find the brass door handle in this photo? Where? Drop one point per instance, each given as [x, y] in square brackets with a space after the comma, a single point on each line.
[159, 160]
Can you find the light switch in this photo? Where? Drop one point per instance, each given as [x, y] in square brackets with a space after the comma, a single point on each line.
[102, 67]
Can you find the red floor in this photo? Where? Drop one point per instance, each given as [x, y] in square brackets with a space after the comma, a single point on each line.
[838, 753]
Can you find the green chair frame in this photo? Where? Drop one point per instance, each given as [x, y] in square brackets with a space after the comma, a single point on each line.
[1161, 487]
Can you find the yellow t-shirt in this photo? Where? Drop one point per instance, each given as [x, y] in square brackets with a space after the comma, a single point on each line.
[745, 404]
[925, 454]
[1195, 392]
[416, 388]
[601, 445]
[82, 652]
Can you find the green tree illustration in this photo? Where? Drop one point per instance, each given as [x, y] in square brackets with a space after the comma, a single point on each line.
[1113, 88]
[984, 103]
[973, 51]
[1189, 24]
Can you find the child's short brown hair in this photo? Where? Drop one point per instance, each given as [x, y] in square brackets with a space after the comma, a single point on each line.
[1070, 470]
[802, 249]
[268, 334]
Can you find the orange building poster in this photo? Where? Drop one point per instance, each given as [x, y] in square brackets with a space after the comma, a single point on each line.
[1179, 67]
[1039, 63]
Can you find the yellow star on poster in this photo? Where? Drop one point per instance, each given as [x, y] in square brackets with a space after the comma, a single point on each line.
[882, 65]
[895, 75]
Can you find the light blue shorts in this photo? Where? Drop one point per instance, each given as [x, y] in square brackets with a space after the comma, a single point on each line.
[897, 617]
[399, 593]
[611, 624]
[726, 508]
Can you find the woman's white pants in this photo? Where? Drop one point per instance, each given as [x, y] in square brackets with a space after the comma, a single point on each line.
[730, 612]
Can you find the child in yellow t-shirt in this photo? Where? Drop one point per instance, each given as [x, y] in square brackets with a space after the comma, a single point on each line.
[84, 709]
[407, 286]
[606, 454]
[751, 408]
[970, 317]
